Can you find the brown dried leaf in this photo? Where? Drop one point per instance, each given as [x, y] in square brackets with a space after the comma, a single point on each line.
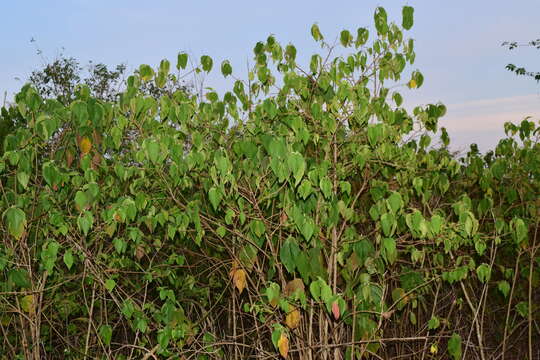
[283, 345]
[96, 160]
[69, 158]
[239, 280]
[293, 318]
[293, 286]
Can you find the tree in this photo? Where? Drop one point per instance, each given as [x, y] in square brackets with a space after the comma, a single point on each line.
[60, 78]
[518, 70]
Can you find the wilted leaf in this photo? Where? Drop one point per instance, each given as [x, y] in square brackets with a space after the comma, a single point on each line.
[293, 318]
[294, 286]
[239, 279]
[283, 345]
[27, 304]
[85, 145]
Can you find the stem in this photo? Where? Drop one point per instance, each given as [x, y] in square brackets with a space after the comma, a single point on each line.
[510, 305]
[531, 267]
[89, 329]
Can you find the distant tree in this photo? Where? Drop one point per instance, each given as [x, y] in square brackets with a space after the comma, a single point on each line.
[519, 70]
[60, 78]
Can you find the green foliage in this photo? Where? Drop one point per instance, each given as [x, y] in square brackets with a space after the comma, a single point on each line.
[520, 70]
[286, 215]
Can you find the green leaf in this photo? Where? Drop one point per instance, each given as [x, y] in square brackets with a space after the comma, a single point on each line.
[19, 277]
[81, 200]
[315, 290]
[248, 256]
[454, 346]
[226, 68]
[375, 133]
[297, 165]
[388, 224]
[412, 318]
[326, 187]
[504, 287]
[257, 227]
[316, 32]
[110, 284]
[288, 254]
[290, 53]
[307, 228]
[276, 335]
[484, 272]
[362, 37]
[105, 332]
[119, 245]
[436, 223]
[15, 219]
[207, 63]
[164, 66]
[407, 14]
[390, 251]
[182, 61]
[363, 249]
[433, 323]
[153, 151]
[272, 293]
[305, 189]
[68, 259]
[522, 308]
[381, 21]
[49, 255]
[521, 231]
[23, 179]
[215, 196]
[345, 38]
[50, 174]
[146, 72]
[395, 202]
[85, 221]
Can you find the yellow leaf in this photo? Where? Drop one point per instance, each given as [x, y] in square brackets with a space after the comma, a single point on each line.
[293, 319]
[27, 303]
[283, 345]
[433, 349]
[412, 84]
[85, 145]
[239, 280]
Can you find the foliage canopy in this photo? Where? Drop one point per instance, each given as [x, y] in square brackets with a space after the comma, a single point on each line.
[307, 218]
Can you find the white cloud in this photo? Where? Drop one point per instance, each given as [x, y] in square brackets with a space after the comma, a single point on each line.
[490, 114]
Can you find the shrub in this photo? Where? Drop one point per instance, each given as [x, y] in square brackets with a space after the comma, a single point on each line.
[305, 213]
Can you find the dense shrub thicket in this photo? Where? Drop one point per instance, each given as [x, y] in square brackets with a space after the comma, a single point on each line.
[303, 215]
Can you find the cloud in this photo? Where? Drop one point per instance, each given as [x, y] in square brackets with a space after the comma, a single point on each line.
[490, 114]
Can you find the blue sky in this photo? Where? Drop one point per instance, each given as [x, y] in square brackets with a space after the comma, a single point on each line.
[458, 44]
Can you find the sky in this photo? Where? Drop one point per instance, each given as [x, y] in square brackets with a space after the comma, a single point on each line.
[457, 43]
